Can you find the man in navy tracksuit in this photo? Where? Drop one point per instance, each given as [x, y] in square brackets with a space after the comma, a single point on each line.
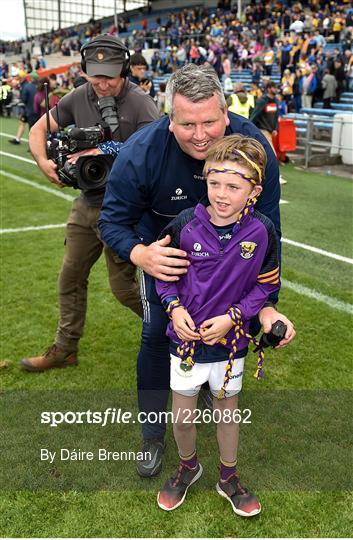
[159, 173]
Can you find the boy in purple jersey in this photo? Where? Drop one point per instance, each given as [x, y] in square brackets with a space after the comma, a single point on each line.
[234, 268]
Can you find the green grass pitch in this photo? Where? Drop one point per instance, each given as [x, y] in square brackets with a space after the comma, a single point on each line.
[297, 452]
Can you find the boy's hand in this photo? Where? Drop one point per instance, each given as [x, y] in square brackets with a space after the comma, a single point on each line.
[268, 316]
[183, 325]
[215, 329]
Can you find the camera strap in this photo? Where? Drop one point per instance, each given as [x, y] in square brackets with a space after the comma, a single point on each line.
[109, 111]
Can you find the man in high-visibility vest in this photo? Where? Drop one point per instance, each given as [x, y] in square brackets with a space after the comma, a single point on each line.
[240, 102]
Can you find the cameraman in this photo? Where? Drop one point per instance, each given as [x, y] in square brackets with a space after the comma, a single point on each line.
[109, 96]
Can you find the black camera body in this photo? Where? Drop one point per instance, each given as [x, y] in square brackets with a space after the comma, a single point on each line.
[89, 172]
[276, 334]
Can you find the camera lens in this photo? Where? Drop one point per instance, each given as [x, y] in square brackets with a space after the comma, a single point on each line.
[93, 171]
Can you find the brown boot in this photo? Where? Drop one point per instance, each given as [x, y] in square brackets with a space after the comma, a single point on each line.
[54, 357]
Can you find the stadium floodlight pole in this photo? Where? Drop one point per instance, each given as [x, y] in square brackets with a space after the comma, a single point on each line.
[115, 18]
[26, 18]
[239, 10]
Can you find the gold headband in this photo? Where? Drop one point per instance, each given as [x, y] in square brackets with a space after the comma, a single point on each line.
[250, 161]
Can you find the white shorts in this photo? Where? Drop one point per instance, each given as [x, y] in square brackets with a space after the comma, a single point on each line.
[189, 383]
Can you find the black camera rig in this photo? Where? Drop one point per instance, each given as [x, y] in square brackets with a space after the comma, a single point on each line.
[89, 172]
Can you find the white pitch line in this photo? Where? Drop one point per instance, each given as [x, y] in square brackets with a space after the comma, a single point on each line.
[284, 240]
[20, 158]
[2, 134]
[55, 192]
[282, 201]
[318, 250]
[296, 287]
[315, 295]
[34, 228]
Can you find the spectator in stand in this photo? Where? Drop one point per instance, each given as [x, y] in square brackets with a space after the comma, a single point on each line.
[155, 60]
[329, 85]
[40, 63]
[340, 77]
[282, 105]
[286, 20]
[161, 102]
[297, 25]
[256, 72]
[308, 84]
[317, 94]
[53, 81]
[297, 97]
[227, 67]
[284, 53]
[287, 85]
[181, 56]
[337, 26]
[349, 73]
[138, 74]
[39, 97]
[269, 58]
[240, 102]
[56, 91]
[319, 39]
[194, 53]
[255, 90]
[4, 70]
[265, 114]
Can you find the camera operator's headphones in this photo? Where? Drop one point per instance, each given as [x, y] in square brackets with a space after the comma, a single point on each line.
[107, 41]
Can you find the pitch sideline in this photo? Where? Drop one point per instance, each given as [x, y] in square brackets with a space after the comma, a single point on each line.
[22, 180]
[345, 307]
[34, 228]
[2, 134]
[284, 240]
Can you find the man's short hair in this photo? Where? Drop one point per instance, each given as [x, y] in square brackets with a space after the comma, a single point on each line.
[138, 59]
[271, 84]
[196, 83]
[225, 149]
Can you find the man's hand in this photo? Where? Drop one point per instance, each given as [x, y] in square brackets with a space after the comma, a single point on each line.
[159, 260]
[48, 167]
[212, 330]
[183, 325]
[146, 86]
[72, 158]
[268, 316]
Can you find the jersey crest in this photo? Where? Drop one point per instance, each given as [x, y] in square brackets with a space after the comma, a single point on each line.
[247, 249]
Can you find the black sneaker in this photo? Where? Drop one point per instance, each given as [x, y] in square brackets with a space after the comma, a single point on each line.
[174, 490]
[244, 502]
[152, 464]
[14, 141]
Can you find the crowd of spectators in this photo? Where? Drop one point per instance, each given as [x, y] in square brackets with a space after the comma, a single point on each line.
[290, 39]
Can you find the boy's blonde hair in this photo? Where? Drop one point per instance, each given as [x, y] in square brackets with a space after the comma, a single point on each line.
[246, 151]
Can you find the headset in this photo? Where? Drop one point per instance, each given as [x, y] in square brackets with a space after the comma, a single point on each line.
[106, 41]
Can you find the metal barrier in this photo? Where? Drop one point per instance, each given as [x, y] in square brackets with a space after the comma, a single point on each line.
[325, 133]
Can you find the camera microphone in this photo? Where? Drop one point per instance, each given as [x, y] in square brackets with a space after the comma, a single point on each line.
[78, 134]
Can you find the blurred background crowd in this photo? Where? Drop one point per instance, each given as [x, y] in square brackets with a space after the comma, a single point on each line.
[304, 47]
